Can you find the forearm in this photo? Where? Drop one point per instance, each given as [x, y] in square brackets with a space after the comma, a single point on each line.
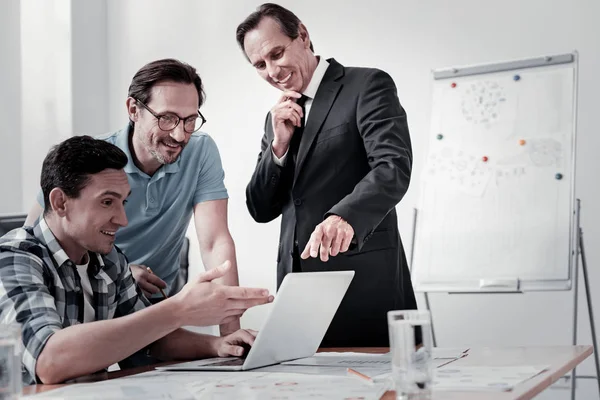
[216, 254]
[86, 348]
[182, 344]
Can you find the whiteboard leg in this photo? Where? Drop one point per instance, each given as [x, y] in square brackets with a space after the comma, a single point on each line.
[575, 295]
[589, 303]
[412, 252]
[430, 313]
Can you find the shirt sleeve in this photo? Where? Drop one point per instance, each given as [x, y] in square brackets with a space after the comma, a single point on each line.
[25, 299]
[277, 160]
[210, 184]
[130, 296]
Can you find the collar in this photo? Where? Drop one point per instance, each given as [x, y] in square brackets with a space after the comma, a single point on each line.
[43, 233]
[315, 81]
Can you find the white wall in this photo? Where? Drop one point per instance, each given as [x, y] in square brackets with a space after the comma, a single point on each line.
[63, 76]
[89, 67]
[46, 83]
[10, 107]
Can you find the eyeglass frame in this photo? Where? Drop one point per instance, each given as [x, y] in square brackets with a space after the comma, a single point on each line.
[158, 117]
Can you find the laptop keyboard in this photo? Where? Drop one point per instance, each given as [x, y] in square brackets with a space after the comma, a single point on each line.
[229, 363]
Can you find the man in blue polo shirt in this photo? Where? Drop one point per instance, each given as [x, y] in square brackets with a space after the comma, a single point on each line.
[174, 170]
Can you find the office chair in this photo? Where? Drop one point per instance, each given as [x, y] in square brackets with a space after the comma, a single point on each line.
[184, 264]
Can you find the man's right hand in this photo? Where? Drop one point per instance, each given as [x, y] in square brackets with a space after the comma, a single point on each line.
[149, 283]
[203, 302]
[286, 115]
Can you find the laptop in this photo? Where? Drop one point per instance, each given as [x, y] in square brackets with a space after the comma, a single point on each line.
[301, 313]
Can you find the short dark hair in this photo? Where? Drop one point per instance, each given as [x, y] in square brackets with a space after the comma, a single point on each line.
[69, 164]
[167, 69]
[287, 21]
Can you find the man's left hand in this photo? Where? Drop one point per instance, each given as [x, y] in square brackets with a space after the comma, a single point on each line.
[330, 237]
[235, 345]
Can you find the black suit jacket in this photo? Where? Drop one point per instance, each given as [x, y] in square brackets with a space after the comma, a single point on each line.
[354, 161]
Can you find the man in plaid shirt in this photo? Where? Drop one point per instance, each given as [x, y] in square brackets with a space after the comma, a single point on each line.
[73, 293]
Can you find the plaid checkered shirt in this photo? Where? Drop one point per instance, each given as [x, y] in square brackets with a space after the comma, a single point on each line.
[41, 289]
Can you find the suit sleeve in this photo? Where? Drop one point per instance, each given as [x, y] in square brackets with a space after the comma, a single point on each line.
[267, 190]
[382, 124]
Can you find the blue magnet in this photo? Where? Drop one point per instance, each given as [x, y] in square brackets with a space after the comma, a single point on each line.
[440, 136]
[517, 77]
[558, 176]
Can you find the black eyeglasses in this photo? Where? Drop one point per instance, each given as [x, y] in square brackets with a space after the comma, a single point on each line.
[168, 122]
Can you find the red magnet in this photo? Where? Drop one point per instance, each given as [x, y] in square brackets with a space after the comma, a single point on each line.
[484, 158]
[453, 85]
[522, 142]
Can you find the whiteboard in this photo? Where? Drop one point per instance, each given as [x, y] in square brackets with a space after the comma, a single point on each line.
[496, 205]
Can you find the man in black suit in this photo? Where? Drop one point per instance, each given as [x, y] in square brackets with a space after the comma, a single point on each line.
[335, 160]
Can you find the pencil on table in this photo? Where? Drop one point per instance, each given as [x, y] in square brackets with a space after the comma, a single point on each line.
[164, 295]
[354, 372]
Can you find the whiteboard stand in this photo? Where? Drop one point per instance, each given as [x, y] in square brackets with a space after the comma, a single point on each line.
[581, 250]
[412, 253]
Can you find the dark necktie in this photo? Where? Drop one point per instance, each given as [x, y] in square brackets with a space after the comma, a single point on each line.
[297, 136]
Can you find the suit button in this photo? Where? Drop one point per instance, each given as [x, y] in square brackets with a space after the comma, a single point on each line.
[297, 202]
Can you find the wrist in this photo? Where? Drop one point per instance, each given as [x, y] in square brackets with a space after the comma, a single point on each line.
[176, 309]
[215, 345]
[280, 148]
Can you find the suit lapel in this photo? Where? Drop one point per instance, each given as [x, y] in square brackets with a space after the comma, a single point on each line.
[322, 103]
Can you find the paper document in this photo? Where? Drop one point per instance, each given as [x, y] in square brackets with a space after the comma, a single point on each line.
[343, 361]
[201, 385]
[351, 360]
[119, 389]
[456, 377]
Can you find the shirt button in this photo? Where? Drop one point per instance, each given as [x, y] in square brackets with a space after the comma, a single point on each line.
[298, 202]
[151, 199]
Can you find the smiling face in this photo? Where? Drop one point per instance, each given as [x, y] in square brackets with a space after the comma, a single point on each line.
[154, 147]
[287, 64]
[91, 220]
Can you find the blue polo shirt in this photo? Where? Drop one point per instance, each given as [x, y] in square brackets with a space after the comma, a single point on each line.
[160, 207]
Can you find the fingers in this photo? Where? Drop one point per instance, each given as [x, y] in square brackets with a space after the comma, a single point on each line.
[155, 280]
[252, 332]
[346, 240]
[336, 244]
[288, 94]
[244, 293]
[312, 247]
[245, 304]
[235, 343]
[148, 288]
[330, 237]
[292, 105]
[287, 111]
[341, 242]
[241, 336]
[215, 273]
[231, 350]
